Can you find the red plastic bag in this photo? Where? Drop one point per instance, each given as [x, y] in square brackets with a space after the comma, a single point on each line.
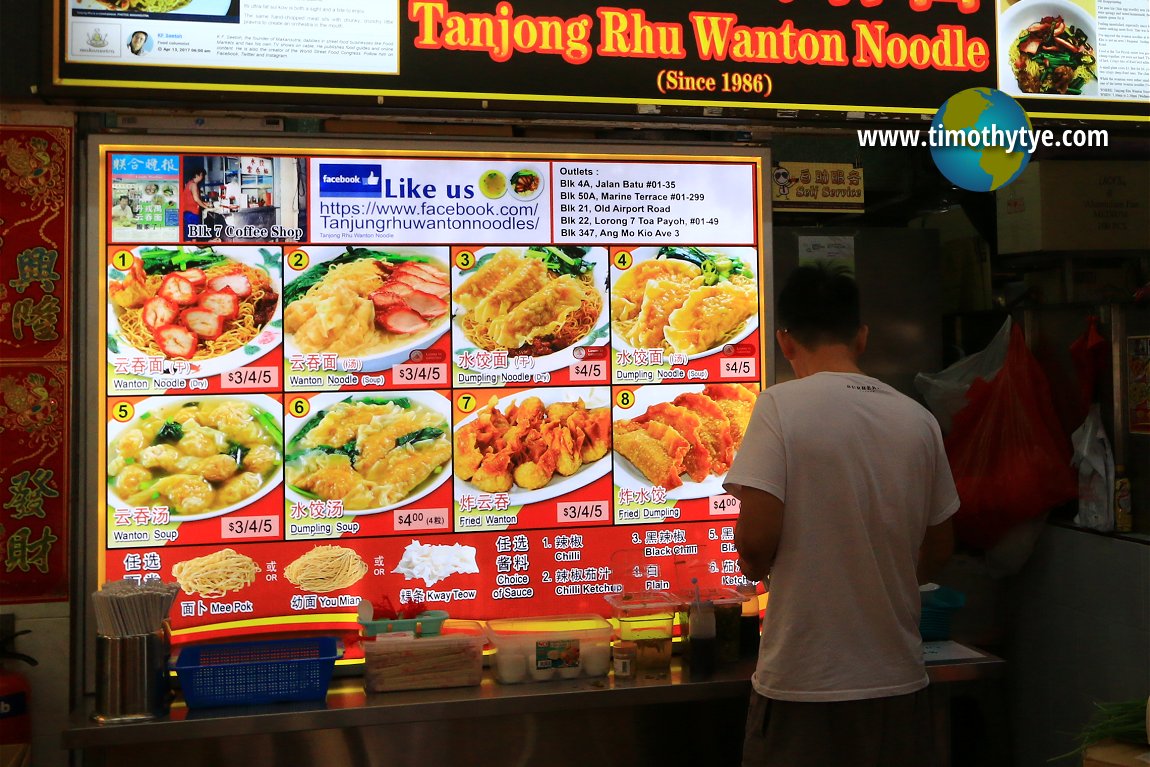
[1008, 453]
[1091, 356]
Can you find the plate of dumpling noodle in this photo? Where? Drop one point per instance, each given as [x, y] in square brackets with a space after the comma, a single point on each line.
[685, 300]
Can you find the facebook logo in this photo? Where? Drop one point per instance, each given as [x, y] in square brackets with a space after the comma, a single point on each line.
[343, 180]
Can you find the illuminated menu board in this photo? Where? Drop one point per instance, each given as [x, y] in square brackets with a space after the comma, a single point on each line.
[499, 384]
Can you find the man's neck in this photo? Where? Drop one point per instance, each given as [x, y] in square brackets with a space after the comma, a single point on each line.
[825, 358]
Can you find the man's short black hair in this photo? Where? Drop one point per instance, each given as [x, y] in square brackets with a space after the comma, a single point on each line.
[819, 304]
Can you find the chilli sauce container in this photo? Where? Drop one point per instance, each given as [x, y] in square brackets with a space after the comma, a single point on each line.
[647, 618]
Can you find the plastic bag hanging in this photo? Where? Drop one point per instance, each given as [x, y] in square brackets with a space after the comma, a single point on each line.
[1090, 354]
[1095, 464]
[1007, 451]
[945, 391]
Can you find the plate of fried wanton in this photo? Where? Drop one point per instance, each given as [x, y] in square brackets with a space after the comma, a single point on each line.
[681, 437]
[685, 300]
[537, 302]
[535, 444]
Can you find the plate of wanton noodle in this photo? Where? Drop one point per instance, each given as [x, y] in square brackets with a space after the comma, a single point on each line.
[681, 437]
[535, 444]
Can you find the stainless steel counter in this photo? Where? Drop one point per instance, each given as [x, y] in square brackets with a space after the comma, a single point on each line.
[442, 721]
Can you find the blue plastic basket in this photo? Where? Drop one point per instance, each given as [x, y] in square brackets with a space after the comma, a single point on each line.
[254, 673]
[937, 608]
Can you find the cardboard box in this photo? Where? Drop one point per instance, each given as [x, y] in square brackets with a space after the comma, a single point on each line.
[1084, 206]
[1110, 753]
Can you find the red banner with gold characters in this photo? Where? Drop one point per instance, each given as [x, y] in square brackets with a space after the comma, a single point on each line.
[35, 361]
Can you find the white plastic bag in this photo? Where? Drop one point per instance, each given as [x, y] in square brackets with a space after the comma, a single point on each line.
[1095, 464]
[945, 391]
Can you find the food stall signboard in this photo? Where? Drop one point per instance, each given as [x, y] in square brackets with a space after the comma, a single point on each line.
[498, 383]
[1061, 58]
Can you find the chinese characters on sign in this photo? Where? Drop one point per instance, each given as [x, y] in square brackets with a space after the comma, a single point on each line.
[35, 362]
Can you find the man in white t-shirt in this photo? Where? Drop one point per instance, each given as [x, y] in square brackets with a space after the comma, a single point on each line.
[846, 497]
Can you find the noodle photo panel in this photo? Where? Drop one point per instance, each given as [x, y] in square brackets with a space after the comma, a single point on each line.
[532, 458]
[673, 445]
[527, 315]
[366, 464]
[186, 470]
[274, 586]
[194, 319]
[366, 317]
[682, 313]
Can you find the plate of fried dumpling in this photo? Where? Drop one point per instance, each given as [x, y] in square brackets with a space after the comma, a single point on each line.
[684, 300]
[681, 437]
[535, 444]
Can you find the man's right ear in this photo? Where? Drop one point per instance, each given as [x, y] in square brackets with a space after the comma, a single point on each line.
[787, 343]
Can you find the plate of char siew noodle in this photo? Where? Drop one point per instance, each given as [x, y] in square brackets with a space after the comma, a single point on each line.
[1048, 47]
[201, 457]
[370, 303]
[535, 444]
[681, 437]
[218, 310]
[538, 301]
[374, 452]
[685, 300]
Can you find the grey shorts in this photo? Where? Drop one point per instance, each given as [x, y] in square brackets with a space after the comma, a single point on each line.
[877, 732]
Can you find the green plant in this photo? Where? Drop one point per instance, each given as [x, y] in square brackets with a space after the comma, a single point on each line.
[1125, 721]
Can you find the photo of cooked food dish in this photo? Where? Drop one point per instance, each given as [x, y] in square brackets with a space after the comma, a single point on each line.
[214, 575]
[373, 453]
[199, 457]
[326, 568]
[198, 7]
[196, 304]
[682, 438]
[1050, 49]
[535, 301]
[526, 184]
[367, 302]
[534, 445]
[493, 184]
[684, 299]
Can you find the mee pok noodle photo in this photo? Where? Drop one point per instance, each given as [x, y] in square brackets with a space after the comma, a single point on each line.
[184, 469]
[683, 313]
[193, 319]
[529, 314]
[366, 317]
[350, 457]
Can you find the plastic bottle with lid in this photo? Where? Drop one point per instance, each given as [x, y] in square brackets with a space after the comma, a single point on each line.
[1123, 507]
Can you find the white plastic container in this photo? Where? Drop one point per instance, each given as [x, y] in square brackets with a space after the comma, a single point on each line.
[550, 647]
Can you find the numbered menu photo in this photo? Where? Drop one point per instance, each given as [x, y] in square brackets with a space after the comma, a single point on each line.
[360, 463]
[194, 469]
[530, 315]
[366, 317]
[532, 458]
[673, 445]
[683, 313]
[194, 319]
